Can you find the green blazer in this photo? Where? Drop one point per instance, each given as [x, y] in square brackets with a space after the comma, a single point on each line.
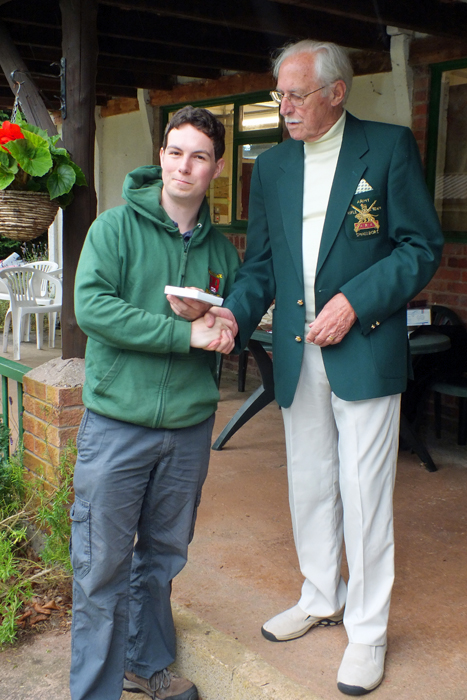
[379, 257]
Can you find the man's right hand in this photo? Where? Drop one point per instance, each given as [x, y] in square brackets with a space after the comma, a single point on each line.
[225, 343]
[210, 337]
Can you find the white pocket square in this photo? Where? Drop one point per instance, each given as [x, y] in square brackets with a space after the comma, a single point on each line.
[363, 186]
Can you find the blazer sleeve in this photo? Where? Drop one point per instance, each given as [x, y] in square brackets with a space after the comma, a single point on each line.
[414, 231]
[254, 288]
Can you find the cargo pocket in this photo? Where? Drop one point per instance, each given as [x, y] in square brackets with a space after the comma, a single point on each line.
[80, 542]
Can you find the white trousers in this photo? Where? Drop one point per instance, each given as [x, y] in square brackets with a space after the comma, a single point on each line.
[341, 460]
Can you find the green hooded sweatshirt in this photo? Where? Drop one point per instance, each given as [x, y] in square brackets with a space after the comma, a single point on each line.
[140, 367]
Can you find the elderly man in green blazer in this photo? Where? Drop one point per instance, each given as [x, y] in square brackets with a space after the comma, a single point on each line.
[342, 234]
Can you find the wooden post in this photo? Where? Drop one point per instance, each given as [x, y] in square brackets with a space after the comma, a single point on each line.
[32, 104]
[80, 49]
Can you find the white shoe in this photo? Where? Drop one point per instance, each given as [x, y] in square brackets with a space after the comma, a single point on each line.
[294, 623]
[362, 669]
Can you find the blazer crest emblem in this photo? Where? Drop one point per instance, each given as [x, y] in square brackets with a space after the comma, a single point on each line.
[366, 222]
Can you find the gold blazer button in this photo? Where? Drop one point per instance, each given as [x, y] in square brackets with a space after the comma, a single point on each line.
[300, 302]
[373, 326]
[298, 339]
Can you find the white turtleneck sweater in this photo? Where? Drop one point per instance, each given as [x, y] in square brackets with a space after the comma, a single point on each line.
[320, 165]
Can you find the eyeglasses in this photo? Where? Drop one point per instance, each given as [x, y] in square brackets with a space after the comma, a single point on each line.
[294, 99]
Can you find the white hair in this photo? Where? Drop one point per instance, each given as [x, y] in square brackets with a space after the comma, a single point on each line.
[332, 61]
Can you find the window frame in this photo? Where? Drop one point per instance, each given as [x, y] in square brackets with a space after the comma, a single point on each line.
[437, 70]
[240, 138]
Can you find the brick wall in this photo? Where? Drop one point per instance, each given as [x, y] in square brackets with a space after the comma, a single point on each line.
[421, 98]
[449, 285]
[52, 413]
[239, 241]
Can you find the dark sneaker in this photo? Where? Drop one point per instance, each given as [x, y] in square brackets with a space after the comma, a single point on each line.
[163, 685]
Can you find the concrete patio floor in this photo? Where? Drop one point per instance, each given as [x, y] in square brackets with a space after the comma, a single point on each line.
[243, 569]
[30, 355]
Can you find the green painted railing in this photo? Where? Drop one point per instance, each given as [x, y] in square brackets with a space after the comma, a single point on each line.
[15, 371]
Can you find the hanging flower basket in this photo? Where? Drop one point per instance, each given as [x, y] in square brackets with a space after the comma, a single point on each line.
[36, 177]
[25, 215]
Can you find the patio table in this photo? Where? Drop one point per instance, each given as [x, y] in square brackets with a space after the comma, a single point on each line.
[258, 344]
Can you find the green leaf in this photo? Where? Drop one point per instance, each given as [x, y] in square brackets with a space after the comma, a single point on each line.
[4, 160]
[80, 178]
[6, 178]
[60, 181]
[65, 200]
[59, 152]
[37, 140]
[33, 129]
[37, 185]
[12, 164]
[8, 162]
[32, 154]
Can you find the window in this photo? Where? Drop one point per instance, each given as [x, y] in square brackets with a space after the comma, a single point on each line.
[251, 126]
[447, 151]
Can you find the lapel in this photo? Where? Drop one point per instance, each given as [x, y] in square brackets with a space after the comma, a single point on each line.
[349, 171]
[290, 194]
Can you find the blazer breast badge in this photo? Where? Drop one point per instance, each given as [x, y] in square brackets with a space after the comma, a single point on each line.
[365, 214]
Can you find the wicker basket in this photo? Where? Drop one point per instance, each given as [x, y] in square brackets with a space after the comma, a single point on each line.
[25, 215]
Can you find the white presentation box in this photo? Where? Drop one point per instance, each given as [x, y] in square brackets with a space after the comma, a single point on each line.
[194, 294]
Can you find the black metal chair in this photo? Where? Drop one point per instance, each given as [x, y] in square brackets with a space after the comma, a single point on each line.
[451, 378]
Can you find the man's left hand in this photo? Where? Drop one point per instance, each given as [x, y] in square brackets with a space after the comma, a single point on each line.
[333, 322]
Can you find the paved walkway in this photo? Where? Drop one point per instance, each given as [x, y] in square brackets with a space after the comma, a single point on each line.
[243, 569]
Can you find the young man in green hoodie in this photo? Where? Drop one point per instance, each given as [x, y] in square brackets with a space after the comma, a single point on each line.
[150, 396]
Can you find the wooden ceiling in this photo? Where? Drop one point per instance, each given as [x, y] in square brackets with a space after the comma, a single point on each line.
[150, 43]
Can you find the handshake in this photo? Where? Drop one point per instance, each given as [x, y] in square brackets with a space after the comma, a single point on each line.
[212, 327]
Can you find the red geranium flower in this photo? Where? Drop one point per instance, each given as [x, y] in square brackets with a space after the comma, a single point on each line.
[10, 132]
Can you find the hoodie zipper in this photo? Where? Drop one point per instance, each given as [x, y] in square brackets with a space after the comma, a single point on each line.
[163, 383]
[186, 248]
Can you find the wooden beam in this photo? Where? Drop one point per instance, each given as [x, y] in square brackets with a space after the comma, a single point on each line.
[123, 105]
[427, 16]
[79, 26]
[32, 104]
[210, 89]
[178, 32]
[45, 55]
[244, 28]
[435, 50]
[205, 58]
[133, 79]
[269, 18]
[156, 66]
[368, 62]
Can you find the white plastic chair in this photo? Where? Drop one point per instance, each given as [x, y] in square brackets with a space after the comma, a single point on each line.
[44, 266]
[42, 292]
[22, 283]
[4, 294]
